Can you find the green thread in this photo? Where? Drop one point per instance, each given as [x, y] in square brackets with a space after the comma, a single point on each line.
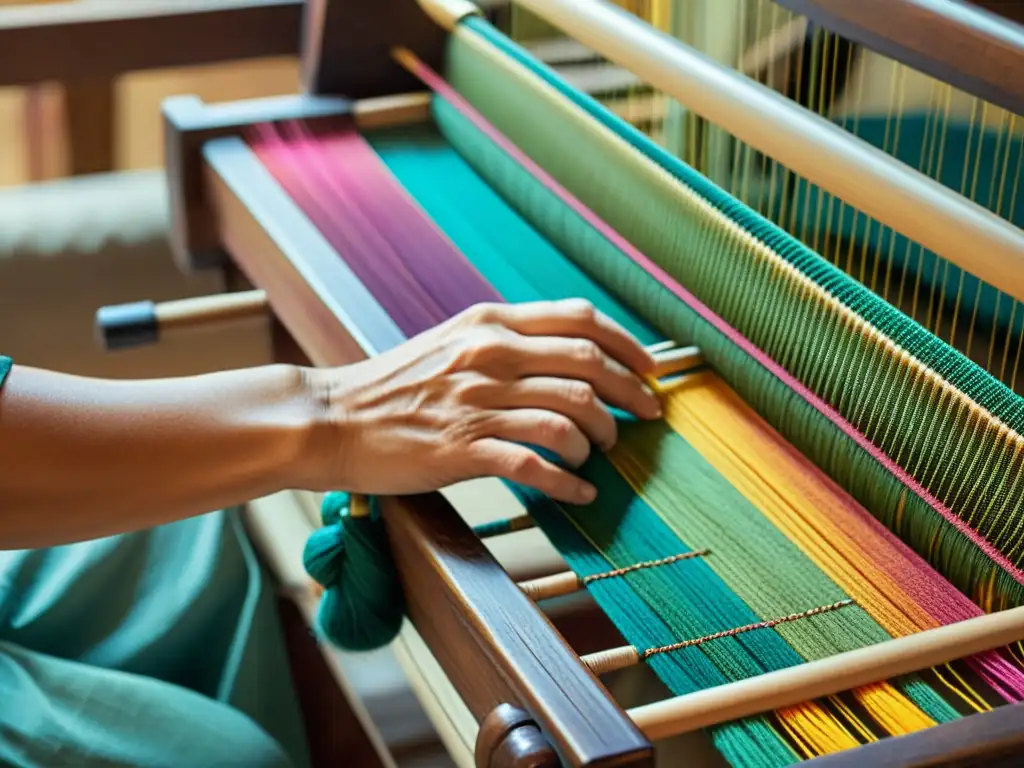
[824, 354]
[520, 252]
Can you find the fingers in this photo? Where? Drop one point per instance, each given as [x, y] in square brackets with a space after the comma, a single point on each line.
[575, 399]
[583, 360]
[576, 318]
[544, 429]
[518, 464]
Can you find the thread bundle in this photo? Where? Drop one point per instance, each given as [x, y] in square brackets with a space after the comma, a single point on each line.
[362, 607]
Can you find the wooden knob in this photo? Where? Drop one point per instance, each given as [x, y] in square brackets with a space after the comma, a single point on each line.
[509, 738]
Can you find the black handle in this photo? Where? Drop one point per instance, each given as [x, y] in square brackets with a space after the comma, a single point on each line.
[125, 326]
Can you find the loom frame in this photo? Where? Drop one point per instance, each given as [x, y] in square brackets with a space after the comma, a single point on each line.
[974, 45]
[862, 175]
[468, 611]
[346, 50]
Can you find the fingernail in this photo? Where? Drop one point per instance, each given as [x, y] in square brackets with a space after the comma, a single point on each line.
[587, 493]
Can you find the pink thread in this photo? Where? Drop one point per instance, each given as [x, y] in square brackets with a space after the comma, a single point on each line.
[439, 86]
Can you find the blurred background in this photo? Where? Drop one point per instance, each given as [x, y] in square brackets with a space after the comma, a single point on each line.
[83, 212]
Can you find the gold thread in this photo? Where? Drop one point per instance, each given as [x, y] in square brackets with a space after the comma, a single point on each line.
[645, 564]
[746, 628]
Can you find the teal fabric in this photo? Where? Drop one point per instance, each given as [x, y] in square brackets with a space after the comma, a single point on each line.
[5, 368]
[157, 648]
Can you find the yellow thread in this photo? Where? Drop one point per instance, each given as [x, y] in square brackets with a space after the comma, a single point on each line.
[891, 710]
[788, 720]
[820, 732]
[714, 420]
[858, 725]
[982, 704]
[962, 694]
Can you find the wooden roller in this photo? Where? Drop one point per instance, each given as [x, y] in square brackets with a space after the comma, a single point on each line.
[123, 326]
[815, 679]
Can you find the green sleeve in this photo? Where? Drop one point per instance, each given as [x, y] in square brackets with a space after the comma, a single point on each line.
[5, 368]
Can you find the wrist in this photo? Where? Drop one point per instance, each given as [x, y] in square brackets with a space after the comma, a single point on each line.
[321, 446]
[282, 417]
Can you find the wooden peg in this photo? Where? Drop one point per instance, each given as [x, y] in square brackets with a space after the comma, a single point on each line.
[555, 585]
[123, 326]
[672, 360]
[509, 738]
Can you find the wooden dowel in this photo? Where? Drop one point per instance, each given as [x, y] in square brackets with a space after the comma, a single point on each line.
[677, 360]
[611, 660]
[568, 582]
[131, 325]
[660, 346]
[203, 310]
[858, 173]
[826, 677]
[448, 13]
[386, 111]
[555, 585]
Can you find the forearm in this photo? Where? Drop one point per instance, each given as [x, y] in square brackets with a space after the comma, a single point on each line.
[83, 458]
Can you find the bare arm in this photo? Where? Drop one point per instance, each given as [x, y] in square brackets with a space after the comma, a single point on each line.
[83, 458]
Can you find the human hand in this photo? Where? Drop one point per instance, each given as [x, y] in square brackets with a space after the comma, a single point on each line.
[459, 401]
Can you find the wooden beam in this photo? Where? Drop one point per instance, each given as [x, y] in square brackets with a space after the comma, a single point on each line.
[970, 47]
[75, 40]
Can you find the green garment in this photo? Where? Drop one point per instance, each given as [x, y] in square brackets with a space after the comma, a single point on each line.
[157, 648]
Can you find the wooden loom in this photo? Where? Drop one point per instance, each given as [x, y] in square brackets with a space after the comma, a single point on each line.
[503, 682]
